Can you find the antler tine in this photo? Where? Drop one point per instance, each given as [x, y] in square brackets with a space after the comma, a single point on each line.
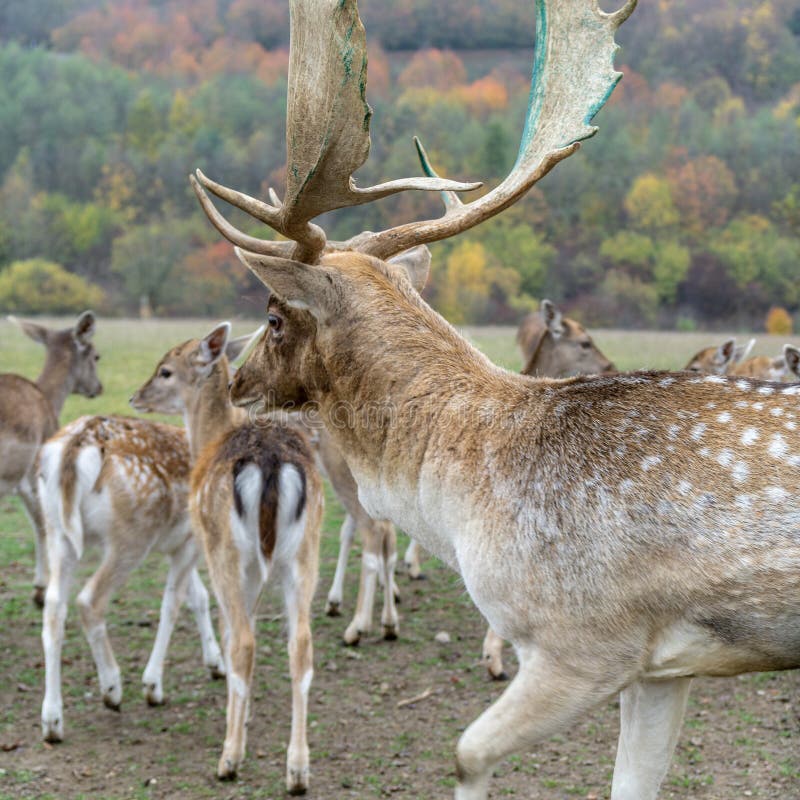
[573, 76]
[450, 199]
[250, 243]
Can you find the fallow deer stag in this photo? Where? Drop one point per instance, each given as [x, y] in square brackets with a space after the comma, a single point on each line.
[554, 346]
[29, 414]
[256, 504]
[624, 532]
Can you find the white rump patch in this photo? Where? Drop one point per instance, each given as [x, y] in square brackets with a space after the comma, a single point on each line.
[245, 529]
[290, 528]
[750, 436]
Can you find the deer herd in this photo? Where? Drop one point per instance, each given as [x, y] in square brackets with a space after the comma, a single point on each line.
[624, 531]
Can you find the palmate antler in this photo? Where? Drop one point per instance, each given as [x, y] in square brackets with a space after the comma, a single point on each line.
[328, 129]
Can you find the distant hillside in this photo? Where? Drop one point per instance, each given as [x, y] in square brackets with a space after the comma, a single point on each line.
[685, 209]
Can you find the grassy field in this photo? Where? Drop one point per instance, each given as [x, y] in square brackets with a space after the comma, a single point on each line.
[740, 739]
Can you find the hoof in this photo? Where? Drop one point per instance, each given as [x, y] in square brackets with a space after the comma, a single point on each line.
[38, 596]
[332, 609]
[226, 771]
[109, 703]
[500, 676]
[417, 576]
[217, 672]
[390, 633]
[53, 731]
[351, 639]
[153, 695]
[297, 781]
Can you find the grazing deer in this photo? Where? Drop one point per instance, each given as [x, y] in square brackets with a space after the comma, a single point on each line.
[720, 360]
[256, 504]
[121, 483]
[554, 346]
[624, 532]
[29, 414]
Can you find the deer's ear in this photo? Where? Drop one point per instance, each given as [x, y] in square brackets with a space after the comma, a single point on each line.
[84, 328]
[211, 347]
[725, 353]
[552, 318]
[792, 357]
[417, 264]
[301, 285]
[31, 329]
[237, 346]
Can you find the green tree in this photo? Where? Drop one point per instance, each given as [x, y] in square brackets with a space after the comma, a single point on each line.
[37, 286]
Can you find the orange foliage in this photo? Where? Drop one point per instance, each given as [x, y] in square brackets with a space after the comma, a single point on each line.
[670, 96]
[483, 96]
[439, 69]
[703, 189]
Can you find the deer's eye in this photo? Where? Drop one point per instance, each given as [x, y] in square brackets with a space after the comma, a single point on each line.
[97, 356]
[164, 372]
[586, 345]
[275, 323]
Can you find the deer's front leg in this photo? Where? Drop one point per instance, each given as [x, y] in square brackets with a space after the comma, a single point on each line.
[370, 566]
[197, 600]
[346, 536]
[30, 502]
[543, 699]
[181, 564]
[389, 619]
[651, 714]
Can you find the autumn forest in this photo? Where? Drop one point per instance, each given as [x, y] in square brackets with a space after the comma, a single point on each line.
[684, 211]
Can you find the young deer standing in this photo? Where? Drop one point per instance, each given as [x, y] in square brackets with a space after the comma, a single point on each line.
[121, 483]
[256, 504]
[554, 346]
[625, 532]
[29, 414]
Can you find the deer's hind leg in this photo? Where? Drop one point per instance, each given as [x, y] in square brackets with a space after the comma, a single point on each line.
[651, 714]
[542, 699]
[93, 602]
[299, 593]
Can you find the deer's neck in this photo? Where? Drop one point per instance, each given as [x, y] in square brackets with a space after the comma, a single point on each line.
[209, 413]
[417, 411]
[56, 380]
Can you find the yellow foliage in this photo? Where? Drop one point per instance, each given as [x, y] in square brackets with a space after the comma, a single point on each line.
[778, 322]
[649, 203]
